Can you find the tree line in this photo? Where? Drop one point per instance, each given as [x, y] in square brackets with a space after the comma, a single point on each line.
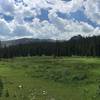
[76, 46]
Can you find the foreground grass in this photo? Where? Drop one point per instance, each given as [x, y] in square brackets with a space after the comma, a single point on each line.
[46, 78]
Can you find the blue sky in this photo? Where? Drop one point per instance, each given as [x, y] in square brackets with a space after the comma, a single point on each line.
[49, 19]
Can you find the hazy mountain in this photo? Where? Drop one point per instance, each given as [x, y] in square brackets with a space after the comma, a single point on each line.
[30, 40]
[23, 41]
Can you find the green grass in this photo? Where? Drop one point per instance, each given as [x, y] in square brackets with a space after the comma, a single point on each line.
[46, 78]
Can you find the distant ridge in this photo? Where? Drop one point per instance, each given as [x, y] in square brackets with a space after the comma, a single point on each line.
[24, 41]
[76, 37]
[32, 40]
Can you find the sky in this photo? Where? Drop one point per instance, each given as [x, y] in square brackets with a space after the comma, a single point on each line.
[49, 19]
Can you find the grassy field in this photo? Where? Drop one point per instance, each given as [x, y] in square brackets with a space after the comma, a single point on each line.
[46, 78]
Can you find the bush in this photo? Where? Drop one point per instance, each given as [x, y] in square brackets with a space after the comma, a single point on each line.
[1, 87]
[6, 93]
[60, 75]
[79, 77]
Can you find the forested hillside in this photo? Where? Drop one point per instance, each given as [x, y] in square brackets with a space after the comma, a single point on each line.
[76, 46]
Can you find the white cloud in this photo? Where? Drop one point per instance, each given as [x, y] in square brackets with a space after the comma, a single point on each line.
[4, 28]
[56, 27]
[92, 10]
[67, 7]
[7, 6]
[21, 31]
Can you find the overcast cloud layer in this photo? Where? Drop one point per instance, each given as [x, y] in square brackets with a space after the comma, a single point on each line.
[49, 19]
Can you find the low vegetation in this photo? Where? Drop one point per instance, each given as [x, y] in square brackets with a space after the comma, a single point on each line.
[48, 78]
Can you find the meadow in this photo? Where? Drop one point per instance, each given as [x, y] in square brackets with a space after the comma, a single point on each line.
[48, 78]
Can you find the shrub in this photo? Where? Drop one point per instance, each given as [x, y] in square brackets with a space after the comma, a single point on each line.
[60, 75]
[1, 87]
[79, 77]
[6, 93]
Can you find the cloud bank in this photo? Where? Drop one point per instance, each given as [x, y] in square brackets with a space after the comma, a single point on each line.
[40, 19]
